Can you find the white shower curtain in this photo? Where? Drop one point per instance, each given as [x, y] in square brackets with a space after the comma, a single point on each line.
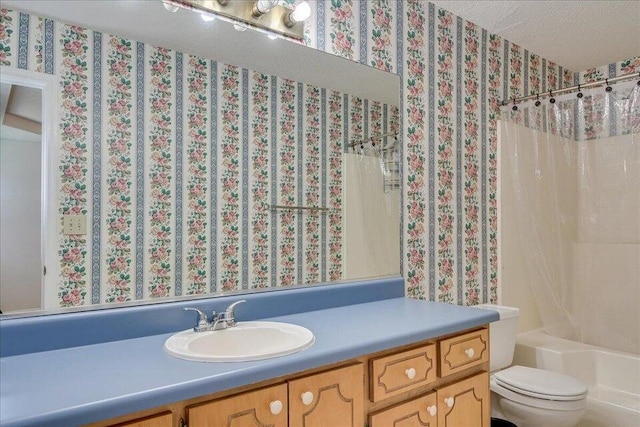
[371, 213]
[574, 196]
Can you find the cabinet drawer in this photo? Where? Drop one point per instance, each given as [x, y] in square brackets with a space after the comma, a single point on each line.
[463, 351]
[400, 372]
[267, 406]
[417, 412]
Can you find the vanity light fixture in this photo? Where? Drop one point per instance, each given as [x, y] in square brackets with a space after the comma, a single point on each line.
[271, 16]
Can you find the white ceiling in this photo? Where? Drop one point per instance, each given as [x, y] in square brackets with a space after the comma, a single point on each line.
[577, 35]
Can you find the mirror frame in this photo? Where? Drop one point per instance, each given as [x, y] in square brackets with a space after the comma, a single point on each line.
[47, 83]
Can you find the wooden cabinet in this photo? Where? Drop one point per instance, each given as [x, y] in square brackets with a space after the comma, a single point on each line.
[437, 383]
[264, 407]
[331, 398]
[457, 401]
[465, 403]
[401, 372]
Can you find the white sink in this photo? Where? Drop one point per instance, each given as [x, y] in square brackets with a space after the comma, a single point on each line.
[244, 342]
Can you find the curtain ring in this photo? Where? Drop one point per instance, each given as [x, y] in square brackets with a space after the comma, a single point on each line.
[580, 95]
[608, 88]
[552, 99]
[537, 100]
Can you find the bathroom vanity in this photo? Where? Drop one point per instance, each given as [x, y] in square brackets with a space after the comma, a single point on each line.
[441, 382]
[382, 359]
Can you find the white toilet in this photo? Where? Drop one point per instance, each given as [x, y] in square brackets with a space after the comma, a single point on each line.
[525, 396]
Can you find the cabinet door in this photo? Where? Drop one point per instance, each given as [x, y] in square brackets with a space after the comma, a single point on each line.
[465, 403]
[161, 420]
[329, 399]
[417, 412]
[264, 407]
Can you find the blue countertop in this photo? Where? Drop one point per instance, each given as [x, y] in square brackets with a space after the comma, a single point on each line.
[78, 385]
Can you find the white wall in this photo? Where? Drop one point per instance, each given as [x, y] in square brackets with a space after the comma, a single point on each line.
[20, 265]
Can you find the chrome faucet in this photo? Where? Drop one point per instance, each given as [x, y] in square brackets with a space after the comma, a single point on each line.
[203, 321]
[229, 315]
[218, 321]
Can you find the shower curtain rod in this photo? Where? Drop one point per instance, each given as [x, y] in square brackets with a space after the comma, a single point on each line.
[371, 138]
[572, 88]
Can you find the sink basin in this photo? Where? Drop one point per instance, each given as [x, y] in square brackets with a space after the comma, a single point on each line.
[244, 342]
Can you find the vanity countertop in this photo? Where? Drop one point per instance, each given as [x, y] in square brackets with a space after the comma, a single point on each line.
[78, 385]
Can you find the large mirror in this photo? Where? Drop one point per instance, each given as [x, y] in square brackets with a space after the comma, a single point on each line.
[194, 159]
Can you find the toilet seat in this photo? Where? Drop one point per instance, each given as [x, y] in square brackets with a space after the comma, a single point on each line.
[541, 384]
[539, 388]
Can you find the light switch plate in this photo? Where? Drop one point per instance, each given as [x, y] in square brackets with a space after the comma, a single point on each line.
[74, 224]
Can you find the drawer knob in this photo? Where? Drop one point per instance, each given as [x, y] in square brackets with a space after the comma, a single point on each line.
[449, 401]
[432, 410]
[307, 398]
[469, 352]
[275, 407]
[411, 373]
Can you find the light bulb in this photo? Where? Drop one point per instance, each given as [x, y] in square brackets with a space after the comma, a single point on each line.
[206, 17]
[263, 6]
[301, 12]
[170, 7]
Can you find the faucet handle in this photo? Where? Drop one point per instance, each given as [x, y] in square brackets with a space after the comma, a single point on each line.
[203, 321]
[229, 315]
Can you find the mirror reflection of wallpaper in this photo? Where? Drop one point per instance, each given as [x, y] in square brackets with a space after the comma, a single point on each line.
[176, 160]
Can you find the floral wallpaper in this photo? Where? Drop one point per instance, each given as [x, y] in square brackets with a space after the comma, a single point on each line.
[176, 160]
[454, 75]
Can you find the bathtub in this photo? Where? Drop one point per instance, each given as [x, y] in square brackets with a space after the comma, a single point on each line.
[613, 377]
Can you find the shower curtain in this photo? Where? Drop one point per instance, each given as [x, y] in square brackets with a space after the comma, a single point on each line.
[574, 196]
[371, 210]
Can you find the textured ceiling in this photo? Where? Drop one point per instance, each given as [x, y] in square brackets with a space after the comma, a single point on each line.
[577, 35]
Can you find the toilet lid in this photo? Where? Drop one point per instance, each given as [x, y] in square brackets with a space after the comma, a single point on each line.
[540, 383]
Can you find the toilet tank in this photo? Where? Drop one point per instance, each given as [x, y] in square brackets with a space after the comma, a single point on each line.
[502, 335]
